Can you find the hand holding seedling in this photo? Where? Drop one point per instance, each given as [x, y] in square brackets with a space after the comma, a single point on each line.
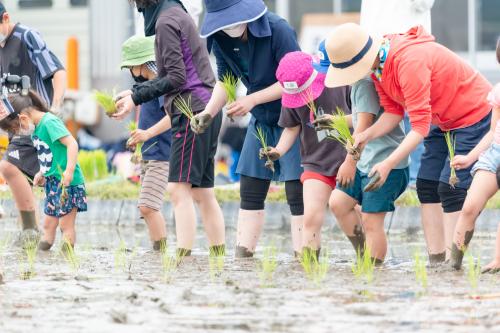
[67, 177]
[138, 136]
[460, 162]
[200, 122]
[269, 153]
[124, 106]
[39, 179]
[347, 172]
[241, 107]
[361, 140]
[323, 122]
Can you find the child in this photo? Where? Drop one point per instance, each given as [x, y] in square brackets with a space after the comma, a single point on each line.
[321, 156]
[138, 55]
[59, 170]
[484, 184]
[184, 71]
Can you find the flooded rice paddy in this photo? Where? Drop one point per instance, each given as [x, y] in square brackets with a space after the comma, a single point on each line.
[120, 285]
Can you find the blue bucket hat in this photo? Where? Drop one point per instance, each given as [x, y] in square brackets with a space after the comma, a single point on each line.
[324, 60]
[222, 14]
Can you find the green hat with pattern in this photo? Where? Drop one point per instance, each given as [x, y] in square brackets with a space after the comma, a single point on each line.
[138, 50]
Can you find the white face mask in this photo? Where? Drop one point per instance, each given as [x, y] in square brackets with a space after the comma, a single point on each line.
[236, 30]
[29, 131]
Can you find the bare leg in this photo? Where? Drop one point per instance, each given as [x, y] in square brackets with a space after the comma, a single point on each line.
[483, 187]
[50, 225]
[316, 195]
[346, 213]
[155, 222]
[449, 224]
[250, 224]
[376, 240]
[211, 215]
[185, 215]
[297, 227]
[67, 223]
[433, 225]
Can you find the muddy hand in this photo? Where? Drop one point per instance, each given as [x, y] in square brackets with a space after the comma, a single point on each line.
[374, 184]
[269, 153]
[323, 122]
[200, 122]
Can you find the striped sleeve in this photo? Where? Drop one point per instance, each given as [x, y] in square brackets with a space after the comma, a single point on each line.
[46, 61]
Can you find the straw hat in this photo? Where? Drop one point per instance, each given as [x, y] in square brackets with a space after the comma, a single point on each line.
[352, 52]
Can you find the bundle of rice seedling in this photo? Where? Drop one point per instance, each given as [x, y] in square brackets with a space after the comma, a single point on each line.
[340, 131]
[106, 101]
[261, 136]
[230, 82]
[451, 142]
[308, 97]
[137, 155]
[184, 106]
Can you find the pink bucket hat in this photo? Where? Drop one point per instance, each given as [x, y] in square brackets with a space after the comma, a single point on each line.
[299, 80]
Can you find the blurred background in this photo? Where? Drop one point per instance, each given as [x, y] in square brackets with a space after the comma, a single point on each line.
[87, 36]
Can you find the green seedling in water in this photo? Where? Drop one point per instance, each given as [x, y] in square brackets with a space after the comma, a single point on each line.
[69, 255]
[451, 143]
[268, 265]
[315, 268]
[169, 263]
[262, 138]
[184, 106]
[124, 258]
[364, 266]
[473, 271]
[420, 270]
[30, 248]
[106, 101]
[216, 259]
[342, 133]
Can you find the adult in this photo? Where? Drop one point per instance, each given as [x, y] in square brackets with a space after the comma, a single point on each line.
[435, 86]
[248, 42]
[382, 17]
[24, 52]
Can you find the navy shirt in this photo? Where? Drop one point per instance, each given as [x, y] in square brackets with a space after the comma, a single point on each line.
[270, 38]
[158, 147]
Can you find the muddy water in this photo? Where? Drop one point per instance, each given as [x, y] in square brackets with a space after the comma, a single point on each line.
[101, 297]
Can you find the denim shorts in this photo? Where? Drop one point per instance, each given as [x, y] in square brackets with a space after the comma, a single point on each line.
[435, 165]
[54, 206]
[489, 160]
[381, 200]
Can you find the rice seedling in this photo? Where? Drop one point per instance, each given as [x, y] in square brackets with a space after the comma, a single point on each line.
[64, 192]
[340, 131]
[420, 270]
[137, 155]
[268, 265]
[451, 143]
[364, 266]
[216, 259]
[169, 263]
[121, 256]
[70, 256]
[93, 164]
[230, 82]
[315, 268]
[30, 248]
[106, 101]
[473, 271]
[308, 97]
[262, 138]
[184, 106]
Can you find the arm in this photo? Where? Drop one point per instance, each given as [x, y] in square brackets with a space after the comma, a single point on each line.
[245, 104]
[72, 156]
[287, 139]
[59, 84]
[144, 135]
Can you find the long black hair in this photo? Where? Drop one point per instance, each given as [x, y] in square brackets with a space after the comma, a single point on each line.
[22, 104]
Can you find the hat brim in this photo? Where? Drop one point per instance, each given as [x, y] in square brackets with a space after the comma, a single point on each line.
[338, 77]
[137, 61]
[244, 11]
[299, 100]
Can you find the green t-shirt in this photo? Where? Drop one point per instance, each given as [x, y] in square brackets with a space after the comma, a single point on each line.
[364, 98]
[52, 154]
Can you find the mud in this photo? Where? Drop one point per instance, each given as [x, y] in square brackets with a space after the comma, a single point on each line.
[102, 296]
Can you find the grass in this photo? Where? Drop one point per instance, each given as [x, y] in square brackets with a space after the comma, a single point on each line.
[93, 164]
[169, 263]
[451, 143]
[262, 138]
[216, 259]
[340, 126]
[364, 266]
[30, 248]
[315, 268]
[184, 106]
[268, 265]
[420, 269]
[106, 101]
[473, 271]
[69, 254]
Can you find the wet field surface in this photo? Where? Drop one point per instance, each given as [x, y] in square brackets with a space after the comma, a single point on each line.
[129, 290]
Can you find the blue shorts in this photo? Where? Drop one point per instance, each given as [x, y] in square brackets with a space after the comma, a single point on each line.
[286, 168]
[489, 160]
[76, 198]
[435, 165]
[381, 200]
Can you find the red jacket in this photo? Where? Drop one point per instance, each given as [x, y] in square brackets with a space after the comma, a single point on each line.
[430, 82]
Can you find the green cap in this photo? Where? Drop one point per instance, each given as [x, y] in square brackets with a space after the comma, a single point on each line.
[138, 50]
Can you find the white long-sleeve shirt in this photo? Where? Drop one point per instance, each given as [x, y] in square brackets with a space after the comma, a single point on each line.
[381, 17]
